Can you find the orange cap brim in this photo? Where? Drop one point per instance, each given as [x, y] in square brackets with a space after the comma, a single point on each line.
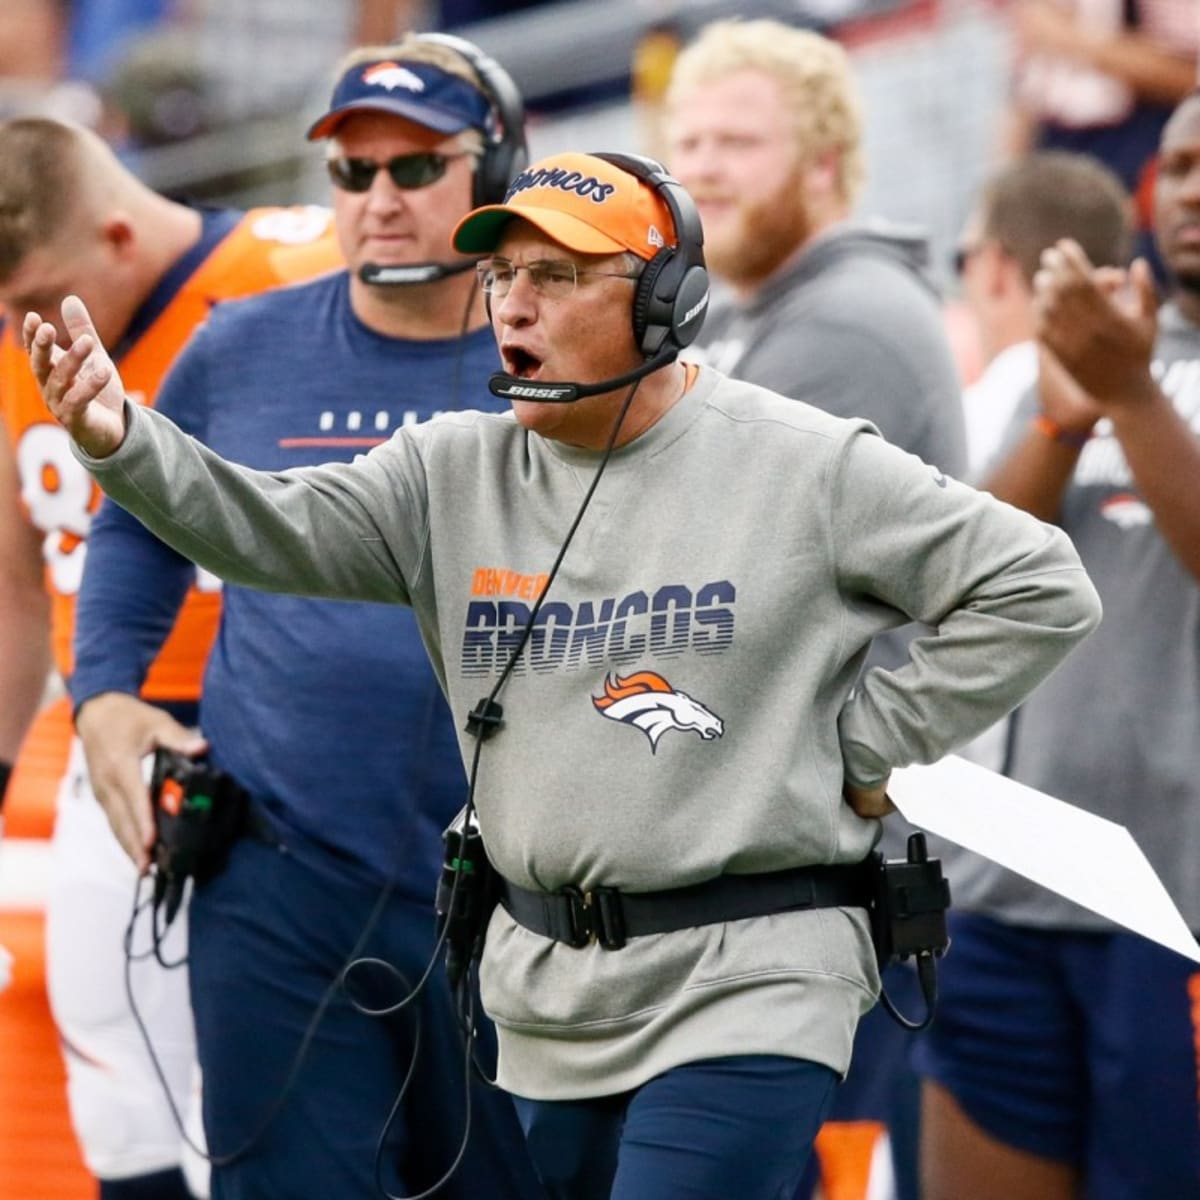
[479, 232]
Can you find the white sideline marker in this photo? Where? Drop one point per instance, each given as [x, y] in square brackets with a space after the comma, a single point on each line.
[1086, 858]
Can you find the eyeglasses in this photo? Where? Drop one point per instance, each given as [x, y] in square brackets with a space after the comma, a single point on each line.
[408, 171]
[554, 280]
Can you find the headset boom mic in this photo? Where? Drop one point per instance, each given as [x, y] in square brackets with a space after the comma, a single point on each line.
[401, 276]
[513, 387]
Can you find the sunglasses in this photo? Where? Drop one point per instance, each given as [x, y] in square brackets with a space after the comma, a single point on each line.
[408, 171]
[962, 256]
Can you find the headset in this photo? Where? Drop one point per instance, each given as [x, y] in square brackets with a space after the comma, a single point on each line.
[668, 306]
[505, 154]
[672, 292]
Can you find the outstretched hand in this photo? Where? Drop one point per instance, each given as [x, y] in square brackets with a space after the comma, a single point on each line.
[80, 385]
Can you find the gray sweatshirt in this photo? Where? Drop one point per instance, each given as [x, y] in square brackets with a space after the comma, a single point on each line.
[852, 325]
[684, 708]
[1117, 731]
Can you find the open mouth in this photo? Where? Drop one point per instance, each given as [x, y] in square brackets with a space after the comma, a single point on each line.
[521, 363]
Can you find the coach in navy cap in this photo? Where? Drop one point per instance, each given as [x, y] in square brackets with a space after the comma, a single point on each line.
[418, 91]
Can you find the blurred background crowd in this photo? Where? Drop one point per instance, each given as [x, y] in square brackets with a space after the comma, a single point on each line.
[207, 97]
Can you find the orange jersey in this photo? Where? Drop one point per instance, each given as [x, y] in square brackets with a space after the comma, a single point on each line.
[261, 249]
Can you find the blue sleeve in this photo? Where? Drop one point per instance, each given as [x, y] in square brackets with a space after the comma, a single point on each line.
[134, 585]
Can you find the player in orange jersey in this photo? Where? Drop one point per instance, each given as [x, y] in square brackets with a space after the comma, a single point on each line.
[73, 219]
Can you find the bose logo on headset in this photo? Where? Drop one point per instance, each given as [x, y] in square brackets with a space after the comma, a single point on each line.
[672, 291]
[691, 312]
[549, 392]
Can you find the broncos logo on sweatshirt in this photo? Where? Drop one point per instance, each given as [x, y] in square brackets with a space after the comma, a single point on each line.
[646, 700]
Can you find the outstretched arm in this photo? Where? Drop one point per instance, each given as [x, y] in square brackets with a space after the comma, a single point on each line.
[314, 531]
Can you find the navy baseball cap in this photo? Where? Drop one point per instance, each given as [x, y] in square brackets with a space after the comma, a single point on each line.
[417, 91]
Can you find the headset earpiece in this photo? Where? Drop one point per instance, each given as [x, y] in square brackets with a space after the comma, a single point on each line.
[505, 153]
[648, 325]
[672, 292]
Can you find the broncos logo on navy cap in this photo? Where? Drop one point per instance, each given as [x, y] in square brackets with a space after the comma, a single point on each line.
[417, 91]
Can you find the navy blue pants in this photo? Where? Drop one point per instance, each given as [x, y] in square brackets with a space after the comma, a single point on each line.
[722, 1129]
[267, 937]
[882, 1085]
[1077, 1047]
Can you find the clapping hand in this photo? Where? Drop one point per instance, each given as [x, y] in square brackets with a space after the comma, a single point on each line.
[1099, 324]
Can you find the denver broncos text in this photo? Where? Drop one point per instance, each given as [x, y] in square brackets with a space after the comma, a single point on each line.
[662, 624]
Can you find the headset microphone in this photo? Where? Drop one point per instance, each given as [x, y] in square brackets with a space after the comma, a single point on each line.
[513, 387]
[401, 276]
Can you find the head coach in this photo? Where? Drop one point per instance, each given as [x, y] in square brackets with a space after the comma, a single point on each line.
[670, 580]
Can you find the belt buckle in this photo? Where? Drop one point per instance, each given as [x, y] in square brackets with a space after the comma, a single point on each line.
[608, 919]
[594, 917]
[581, 918]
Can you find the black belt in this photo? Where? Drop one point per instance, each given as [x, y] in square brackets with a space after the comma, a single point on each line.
[609, 917]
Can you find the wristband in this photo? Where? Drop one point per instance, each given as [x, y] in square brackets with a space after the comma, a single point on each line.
[1056, 433]
[5, 772]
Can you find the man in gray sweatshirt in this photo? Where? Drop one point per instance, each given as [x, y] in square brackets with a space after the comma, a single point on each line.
[671, 587]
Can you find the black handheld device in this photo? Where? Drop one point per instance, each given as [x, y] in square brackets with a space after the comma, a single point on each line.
[908, 910]
[909, 899]
[199, 812]
[467, 893]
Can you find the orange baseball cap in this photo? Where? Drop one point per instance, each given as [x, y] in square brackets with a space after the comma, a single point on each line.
[584, 203]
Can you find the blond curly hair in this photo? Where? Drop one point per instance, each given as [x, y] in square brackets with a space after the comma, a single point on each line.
[814, 74]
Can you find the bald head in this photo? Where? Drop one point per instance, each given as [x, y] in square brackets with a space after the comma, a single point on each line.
[1186, 112]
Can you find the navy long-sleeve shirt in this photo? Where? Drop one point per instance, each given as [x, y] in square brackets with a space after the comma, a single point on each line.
[327, 711]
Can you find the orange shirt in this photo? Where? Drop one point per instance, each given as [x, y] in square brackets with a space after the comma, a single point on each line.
[266, 247]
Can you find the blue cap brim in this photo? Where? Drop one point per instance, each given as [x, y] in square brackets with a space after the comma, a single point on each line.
[424, 115]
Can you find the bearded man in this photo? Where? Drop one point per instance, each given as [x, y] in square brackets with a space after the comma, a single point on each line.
[764, 129]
